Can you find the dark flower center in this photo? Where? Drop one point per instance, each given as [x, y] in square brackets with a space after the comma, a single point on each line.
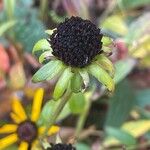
[76, 42]
[61, 146]
[27, 131]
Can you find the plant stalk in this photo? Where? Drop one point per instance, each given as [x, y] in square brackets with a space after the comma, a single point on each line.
[83, 116]
[43, 9]
[58, 110]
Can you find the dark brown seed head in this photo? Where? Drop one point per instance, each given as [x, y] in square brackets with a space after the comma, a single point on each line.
[76, 42]
[27, 131]
[61, 146]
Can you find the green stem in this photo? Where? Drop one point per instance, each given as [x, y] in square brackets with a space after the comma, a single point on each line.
[9, 8]
[58, 110]
[43, 9]
[82, 118]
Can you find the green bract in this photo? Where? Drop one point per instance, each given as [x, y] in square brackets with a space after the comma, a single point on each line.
[75, 78]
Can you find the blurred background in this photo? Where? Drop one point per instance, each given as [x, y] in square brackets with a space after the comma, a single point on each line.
[114, 120]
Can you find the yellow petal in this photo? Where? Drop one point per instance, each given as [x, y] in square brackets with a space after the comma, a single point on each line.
[15, 118]
[51, 131]
[18, 109]
[8, 128]
[37, 103]
[8, 140]
[23, 146]
[35, 145]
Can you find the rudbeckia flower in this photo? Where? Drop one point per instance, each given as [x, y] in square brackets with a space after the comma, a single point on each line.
[75, 50]
[25, 130]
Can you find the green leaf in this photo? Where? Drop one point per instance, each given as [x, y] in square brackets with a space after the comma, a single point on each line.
[143, 97]
[121, 135]
[120, 105]
[76, 82]
[6, 25]
[102, 76]
[42, 45]
[77, 103]
[12, 147]
[48, 71]
[29, 28]
[62, 83]
[138, 28]
[130, 4]
[9, 7]
[134, 128]
[49, 109]
[123, 68]
[65, 112]
[47, 112]
[116, 24]
[82, 146]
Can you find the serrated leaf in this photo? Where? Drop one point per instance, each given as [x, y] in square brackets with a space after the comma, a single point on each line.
[77, 103]
[62, 83]
[76, 82]
[42, 45]
[121, 135]
[123, 68]
[102, 76]
[106, 64]
[48, 71]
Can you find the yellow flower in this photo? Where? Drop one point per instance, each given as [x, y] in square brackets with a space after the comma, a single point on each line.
[25, 130]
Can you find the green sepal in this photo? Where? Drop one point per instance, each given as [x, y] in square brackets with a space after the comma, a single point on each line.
[85, 76]
[106, 64]
[44, 55]
[50, 32]
[102, 76]
[76, 82]
[48, 71]
[41, 46]
[62, 83]
[77, 102]
[106, 41]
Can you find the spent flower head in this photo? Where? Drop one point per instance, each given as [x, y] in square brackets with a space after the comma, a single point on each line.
[74, 51]
[61, 146]
[25, 130]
